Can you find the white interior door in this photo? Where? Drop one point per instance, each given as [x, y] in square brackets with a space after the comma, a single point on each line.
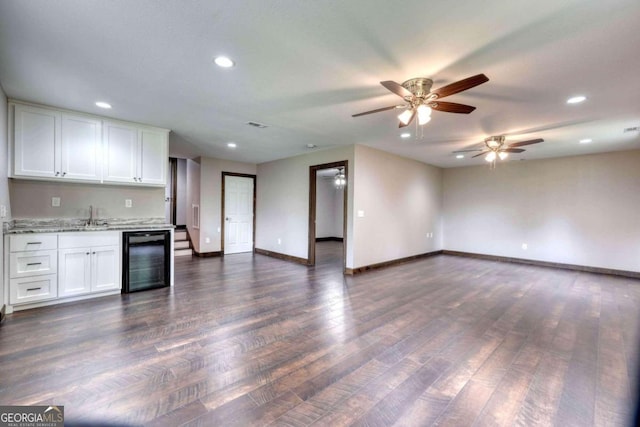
[238, 209]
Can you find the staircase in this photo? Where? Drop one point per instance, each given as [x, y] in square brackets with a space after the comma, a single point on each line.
[181, 243]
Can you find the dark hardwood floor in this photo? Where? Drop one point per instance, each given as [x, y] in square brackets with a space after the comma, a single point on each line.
[249, 340]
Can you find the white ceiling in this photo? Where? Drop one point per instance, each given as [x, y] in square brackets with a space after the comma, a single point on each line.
[304, 67]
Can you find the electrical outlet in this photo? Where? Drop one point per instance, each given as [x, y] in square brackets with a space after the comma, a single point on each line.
[524, 246]
[207, 240]
[218, 229]
[127, 203]
[55, 202]
[3, 211]
[360, 214]
[279, 241]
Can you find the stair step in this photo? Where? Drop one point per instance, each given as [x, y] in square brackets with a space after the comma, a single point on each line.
[180, 235]
[181, 244]
[183, 252]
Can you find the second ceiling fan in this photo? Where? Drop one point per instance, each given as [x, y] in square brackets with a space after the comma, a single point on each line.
[420, 99]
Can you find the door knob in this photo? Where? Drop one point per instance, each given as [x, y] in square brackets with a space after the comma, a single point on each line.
[228, 219]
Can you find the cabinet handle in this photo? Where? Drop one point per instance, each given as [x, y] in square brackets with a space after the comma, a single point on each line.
[64, 173]
[34, 243]
[33, 289]
[34, 263]
[88, 253]
[94, 253]
[57, 173]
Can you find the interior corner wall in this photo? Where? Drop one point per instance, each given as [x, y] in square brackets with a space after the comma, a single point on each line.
[211, 198]
[193, 198]
[401, 204]
[283, 202]
[579, 210]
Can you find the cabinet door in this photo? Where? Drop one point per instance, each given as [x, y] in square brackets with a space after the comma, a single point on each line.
[81, 148]
[74, 271]
[153, 157]
[120, 153]
[36, 142]
[105, 268]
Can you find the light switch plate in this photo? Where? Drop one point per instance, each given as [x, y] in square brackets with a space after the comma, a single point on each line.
[3, 211]
[127, 203]
[55, 202]
[360, 214]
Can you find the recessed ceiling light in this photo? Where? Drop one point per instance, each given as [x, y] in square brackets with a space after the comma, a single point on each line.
[576, 99]
[224, 62]
[405, 135]
[460, 156]
[585, 141]
[311, 145]
[103, 105]
[231, 144]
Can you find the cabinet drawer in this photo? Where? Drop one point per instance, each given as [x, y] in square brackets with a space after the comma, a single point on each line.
[37, 263]
[33, 242]
[33, 289]
[89, 239]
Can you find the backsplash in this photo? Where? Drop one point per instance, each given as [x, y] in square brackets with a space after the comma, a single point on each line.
[32, 199]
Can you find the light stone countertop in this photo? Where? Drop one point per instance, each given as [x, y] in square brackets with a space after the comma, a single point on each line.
[58, 225]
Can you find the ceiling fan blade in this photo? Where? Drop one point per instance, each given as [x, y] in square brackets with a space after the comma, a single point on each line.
[477, 155]
[532, 141]
[451, 107]
[461, 85]
[513, 150]
[376, 111]
[413, 115]
[396, 88]
[467, 151]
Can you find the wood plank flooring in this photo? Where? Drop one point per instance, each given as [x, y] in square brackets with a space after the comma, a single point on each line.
[250, 340]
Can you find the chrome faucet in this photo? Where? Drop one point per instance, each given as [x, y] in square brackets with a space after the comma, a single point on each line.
[91, 220]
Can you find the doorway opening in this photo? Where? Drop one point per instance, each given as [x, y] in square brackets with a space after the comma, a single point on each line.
[238, 213]
[175, 195]
[327, 214]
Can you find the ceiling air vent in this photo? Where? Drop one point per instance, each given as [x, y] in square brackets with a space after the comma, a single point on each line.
[633, 129]
[257, 125]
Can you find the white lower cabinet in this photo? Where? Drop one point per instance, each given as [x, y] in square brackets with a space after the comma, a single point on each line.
[88, 262]
[87, 270]
[63, 265]
[33, 262]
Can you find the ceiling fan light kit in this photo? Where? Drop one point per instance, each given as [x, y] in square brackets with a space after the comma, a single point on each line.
[420, 99]
[495, 148]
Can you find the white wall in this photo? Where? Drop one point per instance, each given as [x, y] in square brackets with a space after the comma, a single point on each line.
[193, 198]
[283, 201]
[329, 213]
[211, 198]
[402, 202]
[576, 210]
[4, 181]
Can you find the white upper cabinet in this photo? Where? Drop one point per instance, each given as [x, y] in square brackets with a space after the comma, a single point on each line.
[58, 145]
[81, 148]
[120, 148]
[153, 157]
[135, 154]
[36, 142]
